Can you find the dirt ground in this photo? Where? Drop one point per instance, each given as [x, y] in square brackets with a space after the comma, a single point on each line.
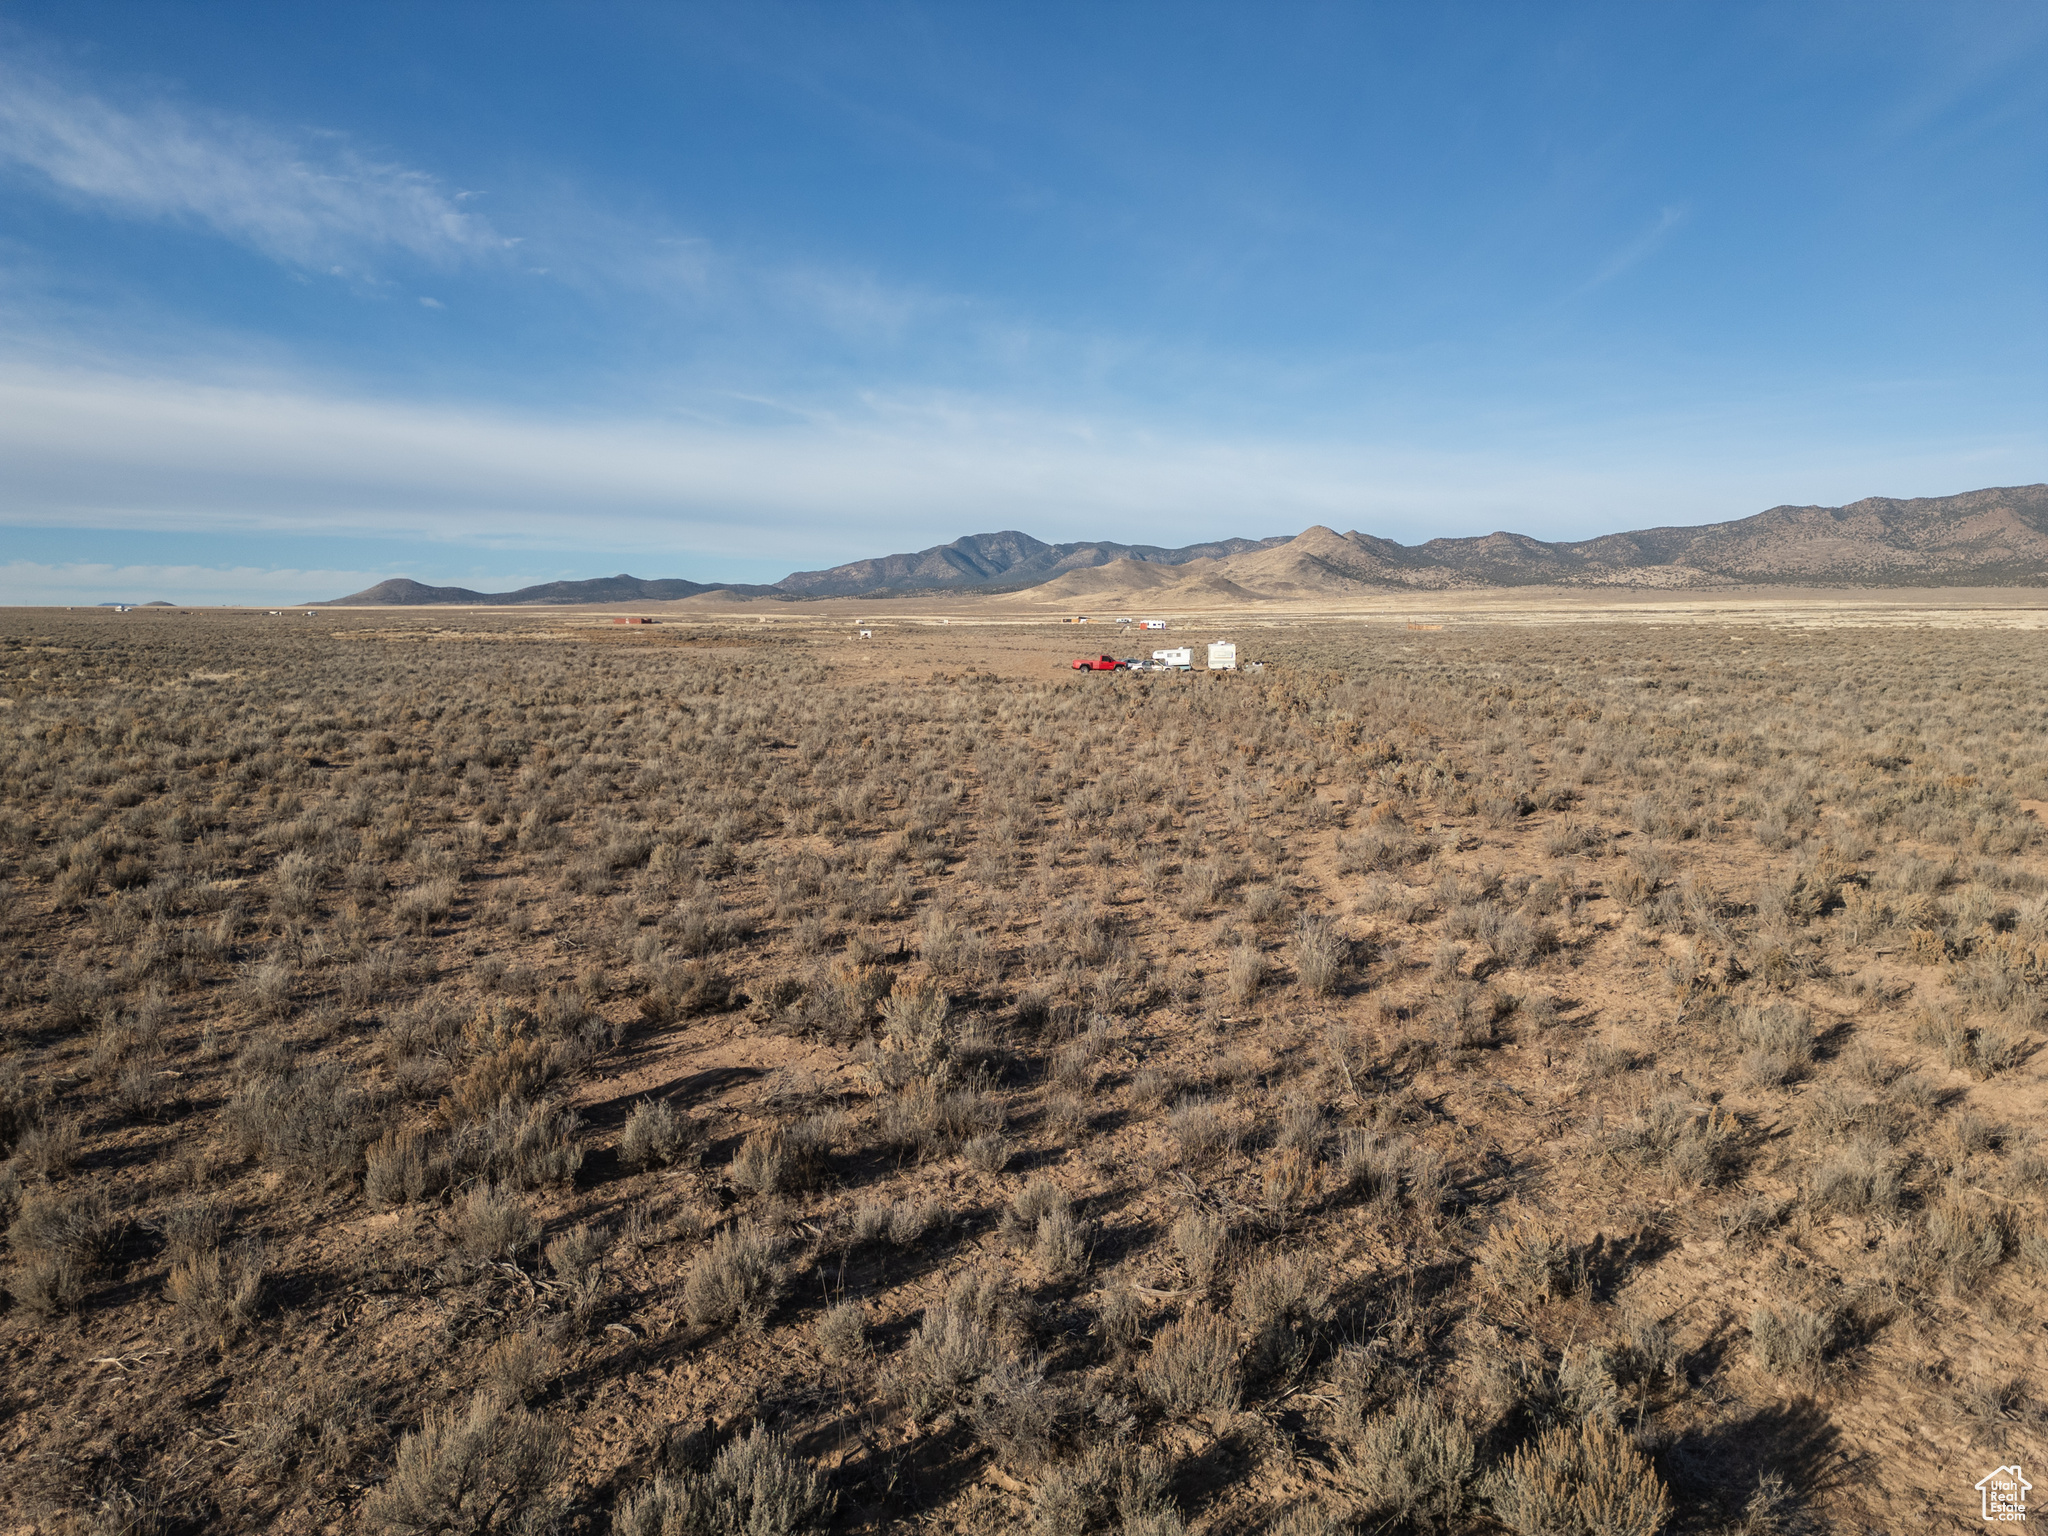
[1565, 1070]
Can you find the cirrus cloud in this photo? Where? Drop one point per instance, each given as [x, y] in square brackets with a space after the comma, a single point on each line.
[312, 201]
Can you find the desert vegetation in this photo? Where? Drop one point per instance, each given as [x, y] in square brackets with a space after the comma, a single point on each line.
[462, 1075]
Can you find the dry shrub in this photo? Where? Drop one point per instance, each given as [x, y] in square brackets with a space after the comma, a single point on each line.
[46, 1284]
[1412, 1463]
[1060, 1246]
[1321, 955]
[421, 906]
[655, 1133]
[1192, 1368]
[312, 1122]
[477, 1468]
[956, 1344]
[577, 1259]
[682, 991]
[843, 1333]
[1107, 1487]
[1861, 1178]
[761, 1165]
[403, 1166]
[519, 1366]
[1692, 1146]
[216, 1296]
[914, 1019]
[754, 1487]
[989, 1151]
[739, 1281]
[1779, 1043]
[1583, 1481]
[1201, 1240]
[493, 1224]
[519, 1069]
[1245, 972]
[1281, 1306]
[1963, 1241]
[1199, 1128]
[524, 1144]
[1526, 1259]
[1391, 1172]
[1791, 1341]
[59, 1240]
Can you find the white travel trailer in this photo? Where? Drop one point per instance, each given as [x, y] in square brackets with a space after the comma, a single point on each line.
[1182, 657]
[1223, 656]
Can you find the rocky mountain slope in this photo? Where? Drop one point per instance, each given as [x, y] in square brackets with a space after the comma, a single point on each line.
[1996, 537]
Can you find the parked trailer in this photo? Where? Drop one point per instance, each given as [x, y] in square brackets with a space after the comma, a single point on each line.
[1223, 656]
[1151, 623]
[1180, 657]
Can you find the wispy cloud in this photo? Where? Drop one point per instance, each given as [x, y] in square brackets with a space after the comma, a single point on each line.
[108, 451]
[85, 582]
[1637, 250]
[313, 201]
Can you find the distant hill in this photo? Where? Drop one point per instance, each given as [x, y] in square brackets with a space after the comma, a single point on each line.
[401, 591]
[994, 562]
[1989, 538]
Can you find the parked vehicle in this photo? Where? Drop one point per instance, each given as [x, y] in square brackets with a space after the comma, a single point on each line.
[1095, 663]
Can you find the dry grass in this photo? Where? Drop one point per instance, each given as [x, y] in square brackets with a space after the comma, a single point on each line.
[1540, 1080]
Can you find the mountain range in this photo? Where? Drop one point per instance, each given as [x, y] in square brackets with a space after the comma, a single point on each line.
[1995, 537]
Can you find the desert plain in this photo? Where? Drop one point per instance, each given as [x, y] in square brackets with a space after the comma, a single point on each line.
[1523, 1061]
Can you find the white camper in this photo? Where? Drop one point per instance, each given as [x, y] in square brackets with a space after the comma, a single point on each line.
[1183, 657]
[1151, 623]
[1223, 656]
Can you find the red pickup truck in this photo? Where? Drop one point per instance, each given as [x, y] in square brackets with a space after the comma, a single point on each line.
[1096, 663]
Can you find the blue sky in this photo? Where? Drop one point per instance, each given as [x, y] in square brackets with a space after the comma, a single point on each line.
[294, 298]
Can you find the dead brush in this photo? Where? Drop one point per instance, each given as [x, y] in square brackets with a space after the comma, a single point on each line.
[1779, 1042]
[761, 1165]
[1412, 1463]
[405, 1164]
[1200, 1131]
[958, 1342]
[1201, 1241]
[842, 1333]
[1863, 1177]
[1191, 1370]
[1105, 1487]
[1791, 1340]
[755, 1485]
[216, 1295]
[1583, 1478]
[492, 1224]
[740, 1280]
[519, 1366]
[657, 1134]
[1281, 1305]
[1690, 1146]
[1526, 1260]
[1245, 973]
[464, 1464]
[1322, 955]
